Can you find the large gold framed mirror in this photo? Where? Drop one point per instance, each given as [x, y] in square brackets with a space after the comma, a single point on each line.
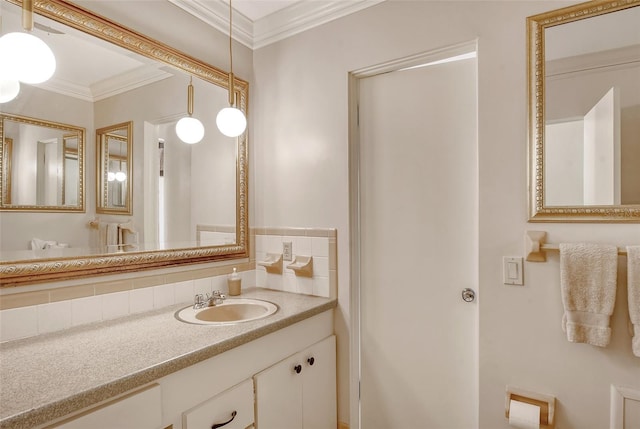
[114, 169]
[42, 166]
[584, 113]
[173, 191]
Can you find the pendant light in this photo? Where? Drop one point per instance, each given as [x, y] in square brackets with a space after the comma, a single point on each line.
[231, 121]
[25, 57]
[9, 88]
[190, 130]
[119, 175]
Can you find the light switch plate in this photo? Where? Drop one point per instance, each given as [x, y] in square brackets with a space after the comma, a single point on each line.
[287, 250]
[512, 270]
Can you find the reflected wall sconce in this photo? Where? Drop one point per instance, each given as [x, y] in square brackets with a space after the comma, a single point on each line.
[230, 120]
[190, 130]
[25, 57]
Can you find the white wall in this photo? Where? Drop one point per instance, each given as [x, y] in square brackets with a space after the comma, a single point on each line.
[300, 166]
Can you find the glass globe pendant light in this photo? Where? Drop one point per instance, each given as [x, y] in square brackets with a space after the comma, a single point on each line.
[189, 129]
[230, 120]
[9, 88]
[25, 57]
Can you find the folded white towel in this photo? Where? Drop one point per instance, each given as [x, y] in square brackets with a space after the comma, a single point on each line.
[112, 234]
[633, 291]
[102, 235]
[588, 283]
[108, 233]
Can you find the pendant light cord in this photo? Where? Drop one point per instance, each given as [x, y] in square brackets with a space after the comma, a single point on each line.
[230, 39]
[27, 15]
[232, 100]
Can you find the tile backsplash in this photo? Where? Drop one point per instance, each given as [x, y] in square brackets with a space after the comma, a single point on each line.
[320, 244]
[44, 309]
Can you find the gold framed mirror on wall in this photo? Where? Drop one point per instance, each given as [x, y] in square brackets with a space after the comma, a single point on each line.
[584, 113]
[114, 169]
[42, 166]
[153, 98]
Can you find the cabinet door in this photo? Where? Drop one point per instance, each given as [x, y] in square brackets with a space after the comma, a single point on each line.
[319, 407]
[279, 395]
[220, 409]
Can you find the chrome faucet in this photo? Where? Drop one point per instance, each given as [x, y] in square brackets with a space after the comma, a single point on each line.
[216, 298]
[210, 300]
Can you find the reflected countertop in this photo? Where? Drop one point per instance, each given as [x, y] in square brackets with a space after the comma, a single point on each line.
[49, 376]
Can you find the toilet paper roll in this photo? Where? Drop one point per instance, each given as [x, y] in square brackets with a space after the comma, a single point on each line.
[523, 415]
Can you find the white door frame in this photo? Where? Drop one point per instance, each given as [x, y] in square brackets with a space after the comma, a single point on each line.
[354, 197]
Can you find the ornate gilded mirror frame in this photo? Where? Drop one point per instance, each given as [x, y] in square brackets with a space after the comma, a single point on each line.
[7, 202]
[35, 271]
[104, 138]
[538, 211]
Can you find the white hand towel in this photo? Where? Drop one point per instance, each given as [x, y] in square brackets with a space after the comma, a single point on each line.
[37, 244]
[102, 235]
[588, 283]
[633, 291]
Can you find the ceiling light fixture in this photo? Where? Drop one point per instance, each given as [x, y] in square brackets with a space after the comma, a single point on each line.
[190, 130]
[25, 57]
[231, 121]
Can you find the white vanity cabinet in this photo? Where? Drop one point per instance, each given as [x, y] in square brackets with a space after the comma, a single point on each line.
[231, 409]
[299, 392]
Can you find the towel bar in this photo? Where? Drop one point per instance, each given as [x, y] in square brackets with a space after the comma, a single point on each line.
[535, 247]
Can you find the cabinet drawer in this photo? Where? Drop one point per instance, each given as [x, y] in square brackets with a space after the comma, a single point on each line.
[219, 409]
[139, 410]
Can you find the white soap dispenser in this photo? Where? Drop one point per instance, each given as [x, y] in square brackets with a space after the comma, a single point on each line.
[234, 281]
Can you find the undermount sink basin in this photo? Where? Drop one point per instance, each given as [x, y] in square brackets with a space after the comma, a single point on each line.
[232, 310]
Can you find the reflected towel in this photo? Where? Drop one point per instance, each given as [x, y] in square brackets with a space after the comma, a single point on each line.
[38, 244]
[588, 284]
[128, 236]
[633, 291]
[108, 236]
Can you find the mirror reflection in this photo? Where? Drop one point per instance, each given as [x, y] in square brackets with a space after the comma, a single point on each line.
[42, 165]
[196, 201]
[584, 113]
[592, 111]
[114, 149]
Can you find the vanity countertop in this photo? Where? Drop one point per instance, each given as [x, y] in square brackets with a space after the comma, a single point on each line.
[49, 376]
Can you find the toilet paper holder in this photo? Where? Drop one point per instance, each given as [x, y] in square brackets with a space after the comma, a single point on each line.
[547, 404]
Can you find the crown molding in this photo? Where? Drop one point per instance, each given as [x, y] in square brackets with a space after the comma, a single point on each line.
[109, 87]
[301, 16]
[216, 14]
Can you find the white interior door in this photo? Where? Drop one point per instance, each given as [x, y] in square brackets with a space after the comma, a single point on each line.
[418, 199]
[602, 151]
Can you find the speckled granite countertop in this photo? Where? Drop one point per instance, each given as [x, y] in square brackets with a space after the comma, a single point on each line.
[52, 375]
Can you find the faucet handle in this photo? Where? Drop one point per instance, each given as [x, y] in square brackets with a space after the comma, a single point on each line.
[198, 301]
